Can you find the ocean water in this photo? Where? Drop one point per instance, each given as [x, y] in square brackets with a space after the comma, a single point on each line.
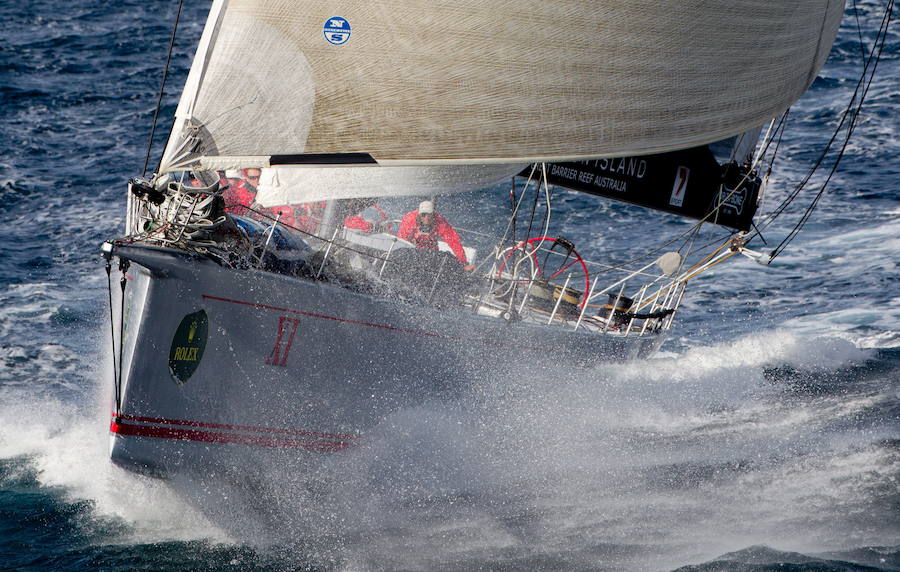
[765, 436]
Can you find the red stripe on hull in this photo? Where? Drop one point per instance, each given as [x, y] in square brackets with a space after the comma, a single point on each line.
[179, 434]
[209, 425]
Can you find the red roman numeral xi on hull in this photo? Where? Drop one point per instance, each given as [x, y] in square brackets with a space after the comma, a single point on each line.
[284, 339]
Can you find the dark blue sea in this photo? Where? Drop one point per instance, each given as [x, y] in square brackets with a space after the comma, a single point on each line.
[764, 436]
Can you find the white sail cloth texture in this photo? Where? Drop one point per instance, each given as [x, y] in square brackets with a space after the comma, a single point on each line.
[293, 185]
[408, 82]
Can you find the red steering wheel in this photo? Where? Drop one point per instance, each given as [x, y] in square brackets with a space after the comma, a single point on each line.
[549, 270]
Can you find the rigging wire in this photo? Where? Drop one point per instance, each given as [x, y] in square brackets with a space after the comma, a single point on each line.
[162, 86]
[112, 328]
[779, 131]
[854, 117]
[846, 124]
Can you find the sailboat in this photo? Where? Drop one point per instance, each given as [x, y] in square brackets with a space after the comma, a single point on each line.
[248, 331]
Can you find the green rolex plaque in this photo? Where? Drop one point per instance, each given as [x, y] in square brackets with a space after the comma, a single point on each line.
[187, 346]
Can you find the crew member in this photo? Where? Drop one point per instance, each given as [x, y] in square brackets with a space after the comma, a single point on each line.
[241, 191]
[424, 227]
[366, 216]
[248, 188]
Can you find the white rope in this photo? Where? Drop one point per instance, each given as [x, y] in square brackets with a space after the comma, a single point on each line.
[188, 218]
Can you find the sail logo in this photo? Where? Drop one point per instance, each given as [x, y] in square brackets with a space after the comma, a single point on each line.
[679, 187]
[336, 30]
[284, 339]
[732, 201]
[188, 345]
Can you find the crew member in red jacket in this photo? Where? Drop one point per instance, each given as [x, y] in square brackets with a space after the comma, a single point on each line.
[240, 199]
[240, 192]
[365, 215]
[424, 227]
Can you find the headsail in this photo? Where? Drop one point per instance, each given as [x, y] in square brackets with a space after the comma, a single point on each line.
[478, 82]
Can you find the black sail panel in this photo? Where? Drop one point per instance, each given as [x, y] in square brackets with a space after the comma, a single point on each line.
[690, 183]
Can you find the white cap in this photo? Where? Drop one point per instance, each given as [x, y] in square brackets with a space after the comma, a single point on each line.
[426, 207]
[233, 174]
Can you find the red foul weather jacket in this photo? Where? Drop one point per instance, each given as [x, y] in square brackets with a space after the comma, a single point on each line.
[409, 231]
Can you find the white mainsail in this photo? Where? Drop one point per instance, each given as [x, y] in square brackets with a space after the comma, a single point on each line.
[474, 82]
